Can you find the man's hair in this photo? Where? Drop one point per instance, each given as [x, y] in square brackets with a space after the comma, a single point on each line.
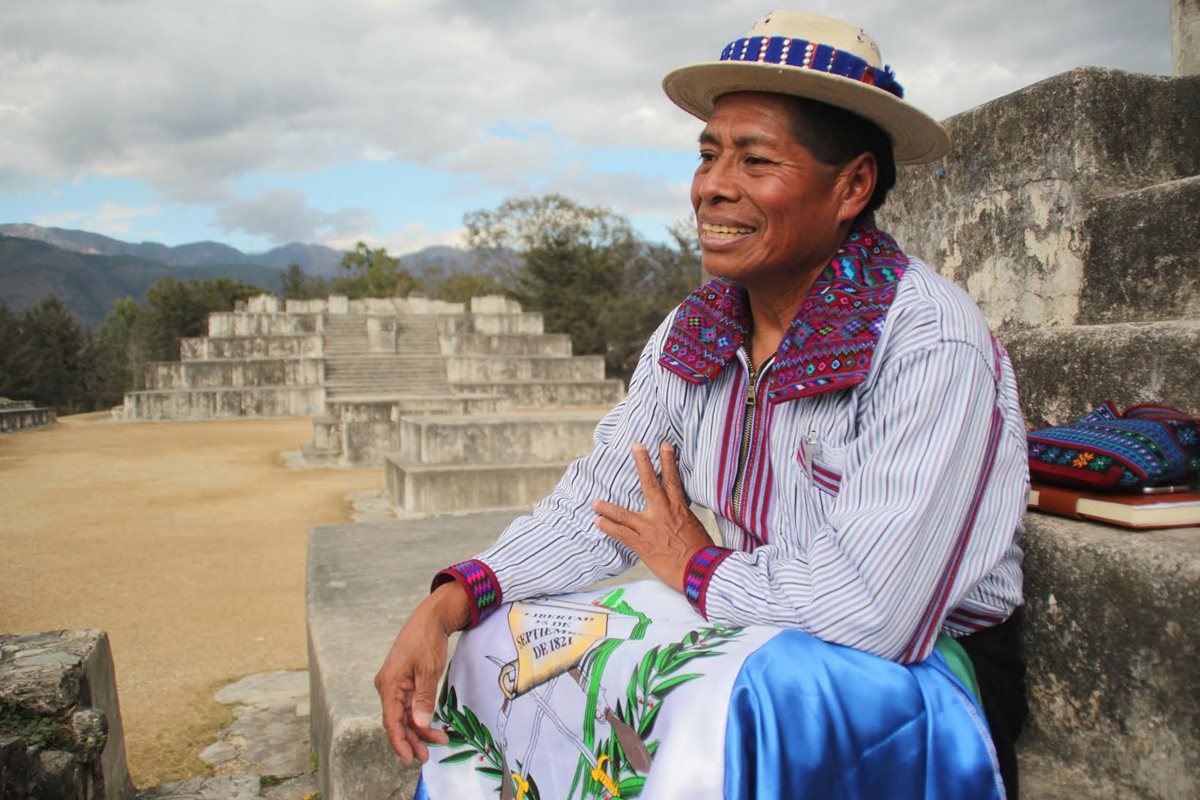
[835, 137]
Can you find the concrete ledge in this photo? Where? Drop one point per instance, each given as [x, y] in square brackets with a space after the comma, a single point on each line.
[196, 404]
[458, 488]
[541, 437]
[20, 418]
[1112, 648]
[363, 582]
[540, 394]
[503, 368]
[1065, 371]
[519, 344]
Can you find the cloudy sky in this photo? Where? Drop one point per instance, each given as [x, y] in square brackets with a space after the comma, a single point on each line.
[260, 122]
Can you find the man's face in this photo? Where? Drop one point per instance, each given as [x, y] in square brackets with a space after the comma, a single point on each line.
[766, 210]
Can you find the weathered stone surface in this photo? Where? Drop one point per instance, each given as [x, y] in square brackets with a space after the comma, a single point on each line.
[60, 720]
[1003, 214]
[224, 403]
[1185, 36]
[553, 436]
[225, 787]
[456, 488]
[25, 418]
[1112, 648]
[1063, 372]
[363, 582]
[1142, 259]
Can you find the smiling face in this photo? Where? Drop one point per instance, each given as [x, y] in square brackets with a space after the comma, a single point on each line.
[769, 215]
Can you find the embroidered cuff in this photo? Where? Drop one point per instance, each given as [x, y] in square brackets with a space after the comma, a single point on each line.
[480, 584]
[698, 572]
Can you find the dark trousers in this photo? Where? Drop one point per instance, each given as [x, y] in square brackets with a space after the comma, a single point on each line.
[995, 654]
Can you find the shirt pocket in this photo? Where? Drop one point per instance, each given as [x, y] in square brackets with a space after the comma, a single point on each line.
[822, 464]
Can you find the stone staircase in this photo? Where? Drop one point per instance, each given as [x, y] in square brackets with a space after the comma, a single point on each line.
[1074, 232]
[491, 359]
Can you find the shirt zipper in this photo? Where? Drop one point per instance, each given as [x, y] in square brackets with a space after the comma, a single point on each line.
[747, 427]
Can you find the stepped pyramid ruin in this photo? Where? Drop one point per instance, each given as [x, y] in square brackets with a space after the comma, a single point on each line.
[466, 409]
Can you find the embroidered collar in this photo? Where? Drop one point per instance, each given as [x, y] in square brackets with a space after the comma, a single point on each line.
[830, 343]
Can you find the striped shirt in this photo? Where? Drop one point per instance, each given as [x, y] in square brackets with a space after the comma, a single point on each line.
[872, 516]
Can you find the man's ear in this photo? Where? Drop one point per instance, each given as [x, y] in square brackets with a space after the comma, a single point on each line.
[856, 183]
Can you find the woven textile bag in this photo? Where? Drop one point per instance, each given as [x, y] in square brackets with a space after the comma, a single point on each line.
[1105, 450]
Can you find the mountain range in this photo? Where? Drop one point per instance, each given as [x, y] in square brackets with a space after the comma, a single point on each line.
[314, 259]
[88, 271]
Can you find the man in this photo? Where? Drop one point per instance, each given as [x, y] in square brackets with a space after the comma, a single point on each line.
[848, 418]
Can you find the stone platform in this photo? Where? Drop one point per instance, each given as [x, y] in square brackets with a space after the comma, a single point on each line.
[1115, 708]
[24, 417]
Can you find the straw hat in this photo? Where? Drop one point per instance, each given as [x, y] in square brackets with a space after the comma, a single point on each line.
[806, 55]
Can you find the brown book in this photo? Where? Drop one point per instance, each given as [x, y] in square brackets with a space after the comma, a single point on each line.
[1174, 510]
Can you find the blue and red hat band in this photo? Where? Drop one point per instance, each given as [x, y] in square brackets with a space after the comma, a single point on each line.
[803, 54]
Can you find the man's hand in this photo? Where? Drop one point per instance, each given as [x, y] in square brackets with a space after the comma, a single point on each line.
[408, 680]
[667, 533]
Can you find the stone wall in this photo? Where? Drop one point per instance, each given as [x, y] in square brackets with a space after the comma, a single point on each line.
[60, 722]
[1005, 213]
[24, 417]
[1185, 36]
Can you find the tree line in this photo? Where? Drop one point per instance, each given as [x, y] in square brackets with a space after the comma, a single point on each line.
[584, 268]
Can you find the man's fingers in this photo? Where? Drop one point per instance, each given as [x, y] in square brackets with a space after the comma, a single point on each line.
[609, 527]
[395, 724]
[670, 473]
[648, 478]
[612, 513]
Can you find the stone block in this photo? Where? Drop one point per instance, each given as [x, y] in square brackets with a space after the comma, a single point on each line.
[25, 418]
[278, 401]
[512, 344]
[1185, 37]
[514, 438]
[524, 322]
[1142, 261]
[552, 394]
[60, 719]
[502, 368]
[235, 373]
[457, 488]
[253, 324]
[197, 349]
[1112, 647]
[1003, 214]
[494, 304]
[264, 304]
[1065, 371]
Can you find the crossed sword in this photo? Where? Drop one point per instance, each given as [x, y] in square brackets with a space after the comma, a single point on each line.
[635, 750]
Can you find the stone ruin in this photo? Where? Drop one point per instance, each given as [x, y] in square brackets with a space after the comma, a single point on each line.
[464, 409]
[19, 415]
[60, 722]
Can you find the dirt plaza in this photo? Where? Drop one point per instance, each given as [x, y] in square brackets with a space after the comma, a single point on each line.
[185, 541]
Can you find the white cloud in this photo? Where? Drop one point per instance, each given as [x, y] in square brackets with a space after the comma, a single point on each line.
[190, 98]
[408, 239]
[284, 215]
[111, 219]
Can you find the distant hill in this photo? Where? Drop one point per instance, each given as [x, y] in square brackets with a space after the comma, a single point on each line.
[88, 283]
[88, 271]
[314, 259]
